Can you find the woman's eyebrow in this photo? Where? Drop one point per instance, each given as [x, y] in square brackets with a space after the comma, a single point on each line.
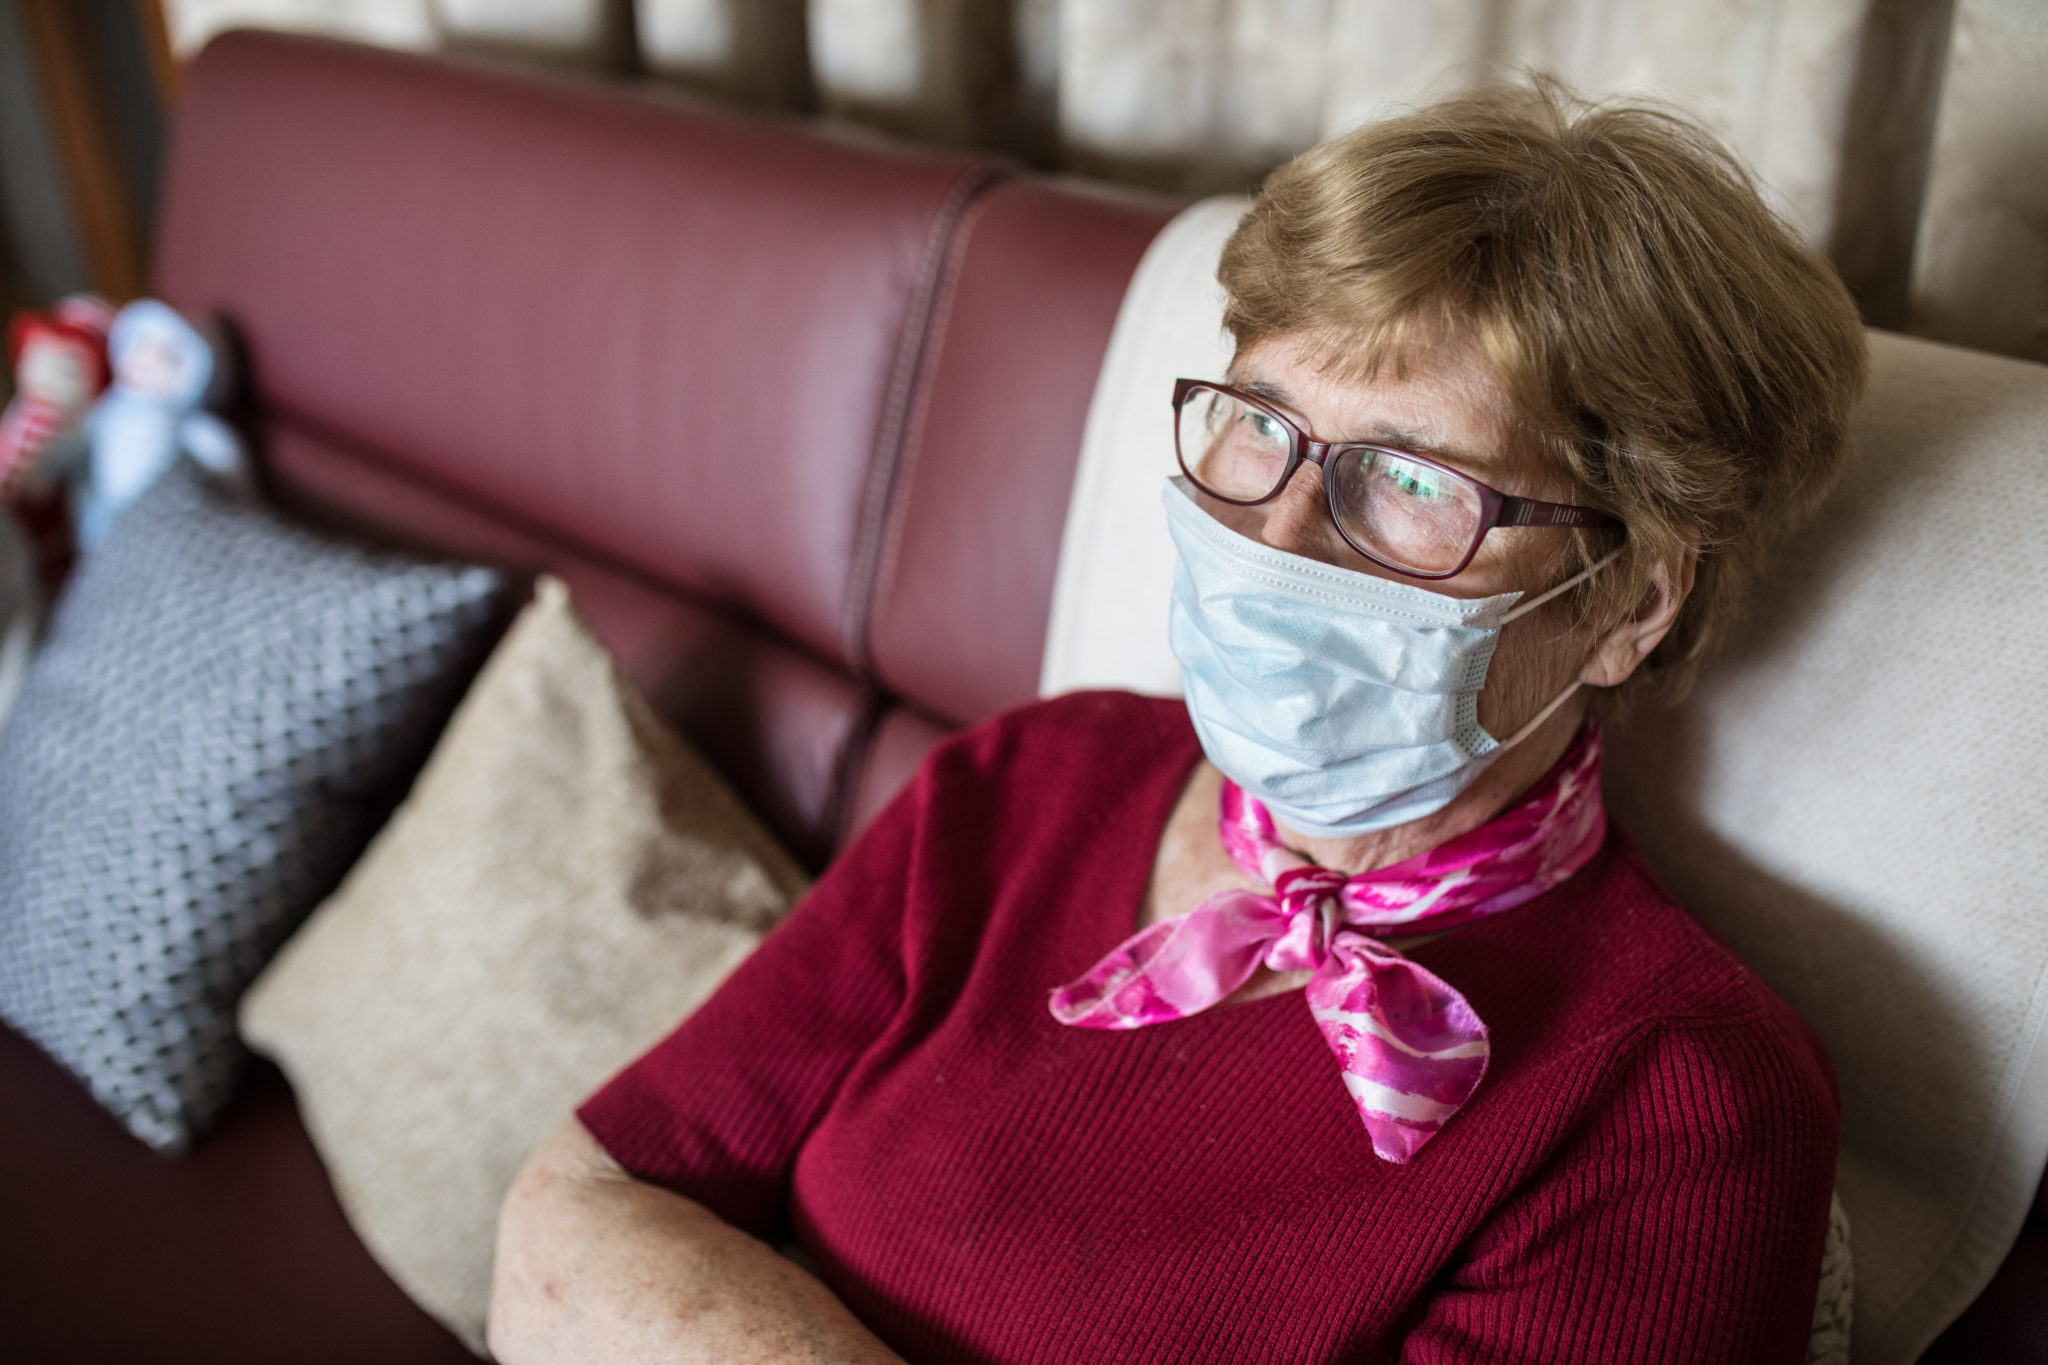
[1412, 440]
[1272, 393]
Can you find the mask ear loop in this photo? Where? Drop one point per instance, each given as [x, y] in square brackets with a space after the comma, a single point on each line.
[1545, 714]
[1524, 609]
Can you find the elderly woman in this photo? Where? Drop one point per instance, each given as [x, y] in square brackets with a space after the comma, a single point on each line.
[1324, 1016]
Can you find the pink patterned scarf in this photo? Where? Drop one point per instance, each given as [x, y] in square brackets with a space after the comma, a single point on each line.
[1412, 1050]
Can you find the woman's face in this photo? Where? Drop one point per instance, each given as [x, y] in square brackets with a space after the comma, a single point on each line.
[1444, 404]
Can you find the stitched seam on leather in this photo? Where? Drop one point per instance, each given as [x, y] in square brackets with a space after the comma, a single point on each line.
[894, 515]
[937, 270]
[913, 346]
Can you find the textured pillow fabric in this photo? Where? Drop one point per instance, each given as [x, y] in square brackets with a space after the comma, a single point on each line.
[565, 882]
[224, 708]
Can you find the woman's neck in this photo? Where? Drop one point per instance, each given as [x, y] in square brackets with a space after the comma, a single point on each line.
[1496, 787]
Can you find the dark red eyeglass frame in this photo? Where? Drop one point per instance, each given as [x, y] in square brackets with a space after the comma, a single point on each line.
[1495, 507]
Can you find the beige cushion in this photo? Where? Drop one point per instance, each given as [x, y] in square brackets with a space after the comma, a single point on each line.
[1834, 1304]
[1854, 799]
[566, 881]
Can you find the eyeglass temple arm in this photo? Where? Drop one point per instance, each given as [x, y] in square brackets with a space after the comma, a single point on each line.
[1530, 512]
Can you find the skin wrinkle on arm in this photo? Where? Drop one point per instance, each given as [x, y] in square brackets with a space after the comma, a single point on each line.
[594, 1265]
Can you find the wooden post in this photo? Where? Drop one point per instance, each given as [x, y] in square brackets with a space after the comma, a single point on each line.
[164, 68]
[70, 75]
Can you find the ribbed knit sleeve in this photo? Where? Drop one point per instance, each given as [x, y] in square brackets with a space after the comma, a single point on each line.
[718, 1110]
[1685, 1223]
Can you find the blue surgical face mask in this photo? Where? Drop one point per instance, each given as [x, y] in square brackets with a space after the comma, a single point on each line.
[1347, 703]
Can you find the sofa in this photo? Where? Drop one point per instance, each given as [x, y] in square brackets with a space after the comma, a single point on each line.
[795, 412]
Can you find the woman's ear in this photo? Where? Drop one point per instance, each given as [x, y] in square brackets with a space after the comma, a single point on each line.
[1623, 648]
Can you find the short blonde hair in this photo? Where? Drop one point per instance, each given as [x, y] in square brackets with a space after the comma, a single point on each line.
[1678, 354]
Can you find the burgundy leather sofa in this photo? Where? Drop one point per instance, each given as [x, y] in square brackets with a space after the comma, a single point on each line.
[795, 413]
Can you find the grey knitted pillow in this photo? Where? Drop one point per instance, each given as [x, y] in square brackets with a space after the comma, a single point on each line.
[225, 708]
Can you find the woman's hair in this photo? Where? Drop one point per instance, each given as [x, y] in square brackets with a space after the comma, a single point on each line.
[1677, 353]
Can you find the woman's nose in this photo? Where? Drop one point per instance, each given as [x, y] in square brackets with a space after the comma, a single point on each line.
[1298, 521]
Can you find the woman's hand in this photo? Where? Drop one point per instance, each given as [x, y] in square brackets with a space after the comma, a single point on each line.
[594, 1266]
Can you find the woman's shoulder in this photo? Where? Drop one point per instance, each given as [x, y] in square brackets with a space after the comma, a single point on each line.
[1079, 731]
[1649, 977]
[1057, 773]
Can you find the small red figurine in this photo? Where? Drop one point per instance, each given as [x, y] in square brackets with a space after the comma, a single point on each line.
[60, 367]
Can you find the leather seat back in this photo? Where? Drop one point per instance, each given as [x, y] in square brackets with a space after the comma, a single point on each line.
[795, 412]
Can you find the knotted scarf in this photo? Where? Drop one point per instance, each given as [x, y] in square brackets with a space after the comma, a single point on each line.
[1411, 1049]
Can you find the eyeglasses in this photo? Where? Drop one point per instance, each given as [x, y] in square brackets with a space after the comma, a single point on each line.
[1406, 512]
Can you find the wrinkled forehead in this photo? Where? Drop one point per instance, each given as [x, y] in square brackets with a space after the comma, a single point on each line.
[1436, 395]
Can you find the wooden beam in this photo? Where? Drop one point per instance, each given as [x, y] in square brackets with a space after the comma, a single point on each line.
[69, 76]
[164, 67]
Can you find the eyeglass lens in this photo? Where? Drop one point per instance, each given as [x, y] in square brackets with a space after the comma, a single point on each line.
[1403, 512]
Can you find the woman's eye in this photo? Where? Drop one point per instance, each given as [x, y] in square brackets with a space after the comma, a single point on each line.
[1268, 428]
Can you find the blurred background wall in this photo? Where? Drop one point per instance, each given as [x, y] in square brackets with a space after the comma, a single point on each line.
[1907, 138]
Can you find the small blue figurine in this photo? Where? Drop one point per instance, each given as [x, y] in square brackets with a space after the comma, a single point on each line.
[164, 374]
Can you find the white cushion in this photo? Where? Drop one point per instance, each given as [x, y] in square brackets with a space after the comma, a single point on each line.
[1109, 597]
[1852, 799]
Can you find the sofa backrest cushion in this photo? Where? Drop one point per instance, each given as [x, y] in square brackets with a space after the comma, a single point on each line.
[1853, 798]
[676, 340]
[795, 413]
[773, 718]
[1023, 318]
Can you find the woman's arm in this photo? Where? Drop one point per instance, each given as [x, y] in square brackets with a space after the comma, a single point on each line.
[670, 1262]
[594, 1265]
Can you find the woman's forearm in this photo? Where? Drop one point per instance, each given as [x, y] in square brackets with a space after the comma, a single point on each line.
[596, 1266]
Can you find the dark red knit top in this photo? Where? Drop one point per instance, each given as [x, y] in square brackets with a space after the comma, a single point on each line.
[1642, 1176]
